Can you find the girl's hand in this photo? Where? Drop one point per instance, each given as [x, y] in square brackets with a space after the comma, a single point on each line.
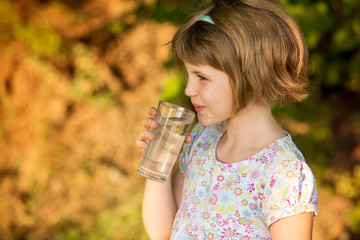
[146, 134]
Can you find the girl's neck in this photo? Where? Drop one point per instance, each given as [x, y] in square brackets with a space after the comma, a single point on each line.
[247, 132]
[254, 121]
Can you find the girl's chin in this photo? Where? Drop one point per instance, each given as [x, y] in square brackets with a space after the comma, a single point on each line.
[208, 121]
[202, 121]
[205, 122]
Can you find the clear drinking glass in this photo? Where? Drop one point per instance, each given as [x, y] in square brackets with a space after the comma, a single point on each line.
[159, 158]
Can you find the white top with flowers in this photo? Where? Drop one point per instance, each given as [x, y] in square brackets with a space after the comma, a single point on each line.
[240, 200]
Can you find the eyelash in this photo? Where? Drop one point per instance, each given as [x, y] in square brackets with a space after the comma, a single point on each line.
[201, 77]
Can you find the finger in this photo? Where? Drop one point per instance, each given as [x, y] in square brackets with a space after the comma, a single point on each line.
[188, 138]
[141, 144]
[147, 135]
[150, 123]
[152, 111]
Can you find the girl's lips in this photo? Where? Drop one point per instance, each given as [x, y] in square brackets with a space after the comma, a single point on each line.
[198, 108]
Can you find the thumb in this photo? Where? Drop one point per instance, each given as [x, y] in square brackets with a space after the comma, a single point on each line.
[188, 138]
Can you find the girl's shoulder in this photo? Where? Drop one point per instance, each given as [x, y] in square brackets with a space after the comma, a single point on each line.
[283, 155]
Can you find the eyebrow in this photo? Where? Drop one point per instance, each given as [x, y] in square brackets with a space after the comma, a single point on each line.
[200, 73]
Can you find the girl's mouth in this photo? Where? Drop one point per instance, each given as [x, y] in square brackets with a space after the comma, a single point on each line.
[198, 108]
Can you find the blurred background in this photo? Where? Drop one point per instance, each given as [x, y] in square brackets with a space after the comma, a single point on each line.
[77, 78]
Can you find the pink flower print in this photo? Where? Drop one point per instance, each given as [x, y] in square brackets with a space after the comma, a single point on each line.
[260, 186]
[195, 200]
[249, 229]
[290, 173]
[206, 215]
[220, 178]
[246, 213]
[229, 233]
[252, 206]
[206, 146]
[272, 182]
[202, 172]
[228, 184]
[244, 221]
[193, 209]
[213, 199]
[194, 152]
[238, 180]
[251, 187]
[234, 169]
[216, 187]
[277, 147]
[261, 196]
[274, 207]
[255, 174]
[210, 236]
[238, 191]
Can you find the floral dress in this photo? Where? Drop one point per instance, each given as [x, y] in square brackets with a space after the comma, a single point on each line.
[240, 200]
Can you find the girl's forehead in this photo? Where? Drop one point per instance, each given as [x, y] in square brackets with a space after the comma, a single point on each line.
[205, 69]
[198, 67]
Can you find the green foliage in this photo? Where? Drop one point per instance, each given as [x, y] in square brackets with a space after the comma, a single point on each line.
[38, 35]
[173, 89]
[313, 19]
[8, 20]
[348, 184]
[87, 85]
[41, 41]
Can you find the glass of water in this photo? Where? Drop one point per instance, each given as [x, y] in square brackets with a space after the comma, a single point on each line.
[174, 122]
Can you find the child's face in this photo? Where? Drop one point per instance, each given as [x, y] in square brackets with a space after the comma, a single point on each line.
[210, 93]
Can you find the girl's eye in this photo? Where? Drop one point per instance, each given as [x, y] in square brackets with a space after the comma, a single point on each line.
[201, 77]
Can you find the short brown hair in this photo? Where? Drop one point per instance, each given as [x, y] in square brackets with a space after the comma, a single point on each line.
[256, 42]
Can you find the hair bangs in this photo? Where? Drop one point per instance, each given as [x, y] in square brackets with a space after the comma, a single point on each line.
[195, 45]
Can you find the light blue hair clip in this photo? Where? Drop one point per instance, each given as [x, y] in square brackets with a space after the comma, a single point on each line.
[206, 18]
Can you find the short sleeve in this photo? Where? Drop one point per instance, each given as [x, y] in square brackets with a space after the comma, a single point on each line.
[290, 190]
[184, 157]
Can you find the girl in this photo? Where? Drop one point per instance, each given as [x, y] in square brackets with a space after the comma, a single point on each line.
[241, 176]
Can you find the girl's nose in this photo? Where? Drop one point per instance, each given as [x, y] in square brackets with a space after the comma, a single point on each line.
[190, 89]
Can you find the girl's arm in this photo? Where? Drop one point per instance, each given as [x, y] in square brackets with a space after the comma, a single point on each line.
[297, 227]
[161, 200]
[160, 204]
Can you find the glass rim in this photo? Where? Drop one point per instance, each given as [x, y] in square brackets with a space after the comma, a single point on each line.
[176, 107]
